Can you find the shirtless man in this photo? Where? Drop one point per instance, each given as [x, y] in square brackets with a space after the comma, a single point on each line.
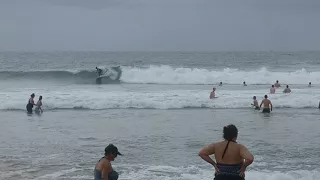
[287, 90]
[213, 94]
[255, 103]
[277, 85]
[272, 89]
[267, 105]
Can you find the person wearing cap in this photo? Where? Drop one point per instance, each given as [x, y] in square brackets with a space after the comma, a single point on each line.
[103, 169]
[30, 103]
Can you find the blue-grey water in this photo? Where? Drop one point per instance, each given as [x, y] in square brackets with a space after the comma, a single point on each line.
[158, 113]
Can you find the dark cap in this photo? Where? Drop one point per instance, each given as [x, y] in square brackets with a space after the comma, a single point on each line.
[112, 149]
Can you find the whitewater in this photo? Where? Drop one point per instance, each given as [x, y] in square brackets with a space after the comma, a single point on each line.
[169, 75]
[155, 97]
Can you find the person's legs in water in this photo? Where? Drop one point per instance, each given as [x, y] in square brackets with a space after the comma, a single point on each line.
[266, 110]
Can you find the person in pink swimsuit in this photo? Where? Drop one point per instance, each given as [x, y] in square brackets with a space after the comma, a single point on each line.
[213, 94]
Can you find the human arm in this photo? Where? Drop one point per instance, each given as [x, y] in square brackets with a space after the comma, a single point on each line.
[261, 103]
[247, 157]
[106, 170]
[205, 155]
[271, 106]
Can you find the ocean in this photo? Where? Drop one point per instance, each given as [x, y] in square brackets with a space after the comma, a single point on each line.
[158, 113]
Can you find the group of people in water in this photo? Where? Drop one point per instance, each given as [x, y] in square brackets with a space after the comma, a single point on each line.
[231, 158]
[267, 105]
[31, 103]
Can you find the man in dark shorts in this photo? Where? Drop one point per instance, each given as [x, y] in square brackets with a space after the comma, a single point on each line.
[267, 105]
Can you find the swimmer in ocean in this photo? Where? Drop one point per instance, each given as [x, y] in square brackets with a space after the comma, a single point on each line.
[255, 103]
[244, 83]
[309, 84]
[277, 84]
[213, 94]
[220, 84]
[287, 90]
[272, 89]
[267, 105]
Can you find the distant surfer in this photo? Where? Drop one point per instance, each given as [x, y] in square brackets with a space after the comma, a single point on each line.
[99, 71]
[277, 84]
[287, 90]
[255, 103]
[38, 108]
[272, 89]
[267, 105]
[220, 84]
[244, 83]
[103, 169]
[30, 103]
[213, 94]
[309, 84]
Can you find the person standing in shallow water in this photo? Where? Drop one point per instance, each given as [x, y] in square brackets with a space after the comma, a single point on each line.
[30, 103]
[213, 94]
[103, 169]
[232, 159]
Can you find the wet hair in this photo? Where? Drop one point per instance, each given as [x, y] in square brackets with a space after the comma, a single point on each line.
[287, 86]
[277, 81]
[230, 132]
[40, 97]
[309, 82]
[32, 95]
[265, 96]
[254, 97]
[272, 86]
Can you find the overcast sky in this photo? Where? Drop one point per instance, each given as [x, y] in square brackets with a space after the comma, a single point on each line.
[159, 25]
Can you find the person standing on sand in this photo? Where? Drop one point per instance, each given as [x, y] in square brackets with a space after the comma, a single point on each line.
[232, 159]
[213, 94]
[103, 169]
[267, 105]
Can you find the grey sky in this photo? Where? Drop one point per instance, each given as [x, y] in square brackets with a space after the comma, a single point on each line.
[161, 25]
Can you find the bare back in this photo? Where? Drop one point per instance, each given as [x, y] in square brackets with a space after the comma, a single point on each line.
[266, 103]
[232, 154]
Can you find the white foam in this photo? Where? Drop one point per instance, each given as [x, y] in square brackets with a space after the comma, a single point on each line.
[169, 75]
[104, 97]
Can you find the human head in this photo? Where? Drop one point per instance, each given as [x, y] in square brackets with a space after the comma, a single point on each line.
[244, 82]
[96, 67]
[309, 82]
[265, 96]
[277, 81]
[32, 95]
[111, 152]
[40, 97]
[230, 132]
[254, 97]
[213, 89]
[287, 86]
[272, 86]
